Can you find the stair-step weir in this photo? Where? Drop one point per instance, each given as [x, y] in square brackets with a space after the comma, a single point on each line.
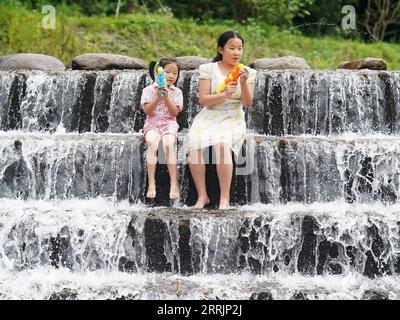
[316, 192]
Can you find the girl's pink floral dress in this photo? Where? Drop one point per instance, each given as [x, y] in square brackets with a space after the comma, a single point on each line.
[160, 120]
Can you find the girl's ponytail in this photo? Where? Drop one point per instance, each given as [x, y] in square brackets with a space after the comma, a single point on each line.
[151, 69]
[217, 58]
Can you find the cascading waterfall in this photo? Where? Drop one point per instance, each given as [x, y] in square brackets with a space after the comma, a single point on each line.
[326, 103]
[38, 166]
[318, 193]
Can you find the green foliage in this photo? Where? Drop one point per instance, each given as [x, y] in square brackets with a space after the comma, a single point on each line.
[131, 35]
[311, 17]
[279, 13]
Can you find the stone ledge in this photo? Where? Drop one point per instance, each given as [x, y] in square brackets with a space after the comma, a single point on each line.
[105, 61]
[30, 61]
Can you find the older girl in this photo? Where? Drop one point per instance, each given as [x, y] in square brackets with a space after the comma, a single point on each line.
[221, 122]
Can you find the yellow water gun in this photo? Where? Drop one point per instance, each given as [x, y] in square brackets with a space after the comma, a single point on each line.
[233, 77]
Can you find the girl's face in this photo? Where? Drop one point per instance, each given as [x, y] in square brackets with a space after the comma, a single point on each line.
[232, 51]
[171, 73]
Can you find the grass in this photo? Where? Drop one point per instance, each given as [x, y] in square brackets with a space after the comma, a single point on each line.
[20, 31]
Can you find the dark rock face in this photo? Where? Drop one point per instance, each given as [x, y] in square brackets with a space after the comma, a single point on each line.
[329, 261]
[375, 264]
[30, 61]
[366, 63]
[156, 238]
[307, 257]
[105, 61]
[60, 249]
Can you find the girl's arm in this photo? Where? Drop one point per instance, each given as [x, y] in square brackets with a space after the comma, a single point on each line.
[246, 97]
[149, 107]
[172, 108]
[209, 100]
[247, 89]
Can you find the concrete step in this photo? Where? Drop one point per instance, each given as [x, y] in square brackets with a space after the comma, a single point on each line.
[285, 102]
[270, 169]
[293, 239]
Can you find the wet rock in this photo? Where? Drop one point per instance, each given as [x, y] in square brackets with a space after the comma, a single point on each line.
[185, 249]
[10, 116]
[264, 295]
[129, 296]
[375, 295]
[335, 268]
[156, 234]
[61, 249]
[106, 61]
[281, 63]
[65, 294]
[191, 62]
[17, 177]
[366, 63]
[307, 257]
[375, 264]
[300, 295]
[30, 61]
[255, 265]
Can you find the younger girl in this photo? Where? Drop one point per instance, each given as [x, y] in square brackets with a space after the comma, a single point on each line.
[161, 106]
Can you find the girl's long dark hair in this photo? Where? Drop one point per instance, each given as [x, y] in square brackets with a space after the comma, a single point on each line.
[223, 39]
[163, 62]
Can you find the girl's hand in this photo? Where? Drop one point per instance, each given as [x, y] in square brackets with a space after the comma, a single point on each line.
[230, 90]
[244, 76]
[163, 93]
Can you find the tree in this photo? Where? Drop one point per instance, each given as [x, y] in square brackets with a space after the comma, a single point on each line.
[129, 6]
[118, 7]
[381, 18]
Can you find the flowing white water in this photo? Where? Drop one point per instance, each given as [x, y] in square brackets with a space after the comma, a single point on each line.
[46, 283]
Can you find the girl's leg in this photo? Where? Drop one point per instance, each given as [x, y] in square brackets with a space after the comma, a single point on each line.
[198, 171]
[168, 141]
[224, 171]
[153, 140]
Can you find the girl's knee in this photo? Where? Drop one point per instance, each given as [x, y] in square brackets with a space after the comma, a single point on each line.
[222, 149]
[169, 142]
[153, 142]
[196, 156]
[223, 153]
[169, 146]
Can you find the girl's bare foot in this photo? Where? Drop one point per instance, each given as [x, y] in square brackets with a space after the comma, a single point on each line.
[224, 204]
[174, 191]
[201, 203]
[151, 192]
